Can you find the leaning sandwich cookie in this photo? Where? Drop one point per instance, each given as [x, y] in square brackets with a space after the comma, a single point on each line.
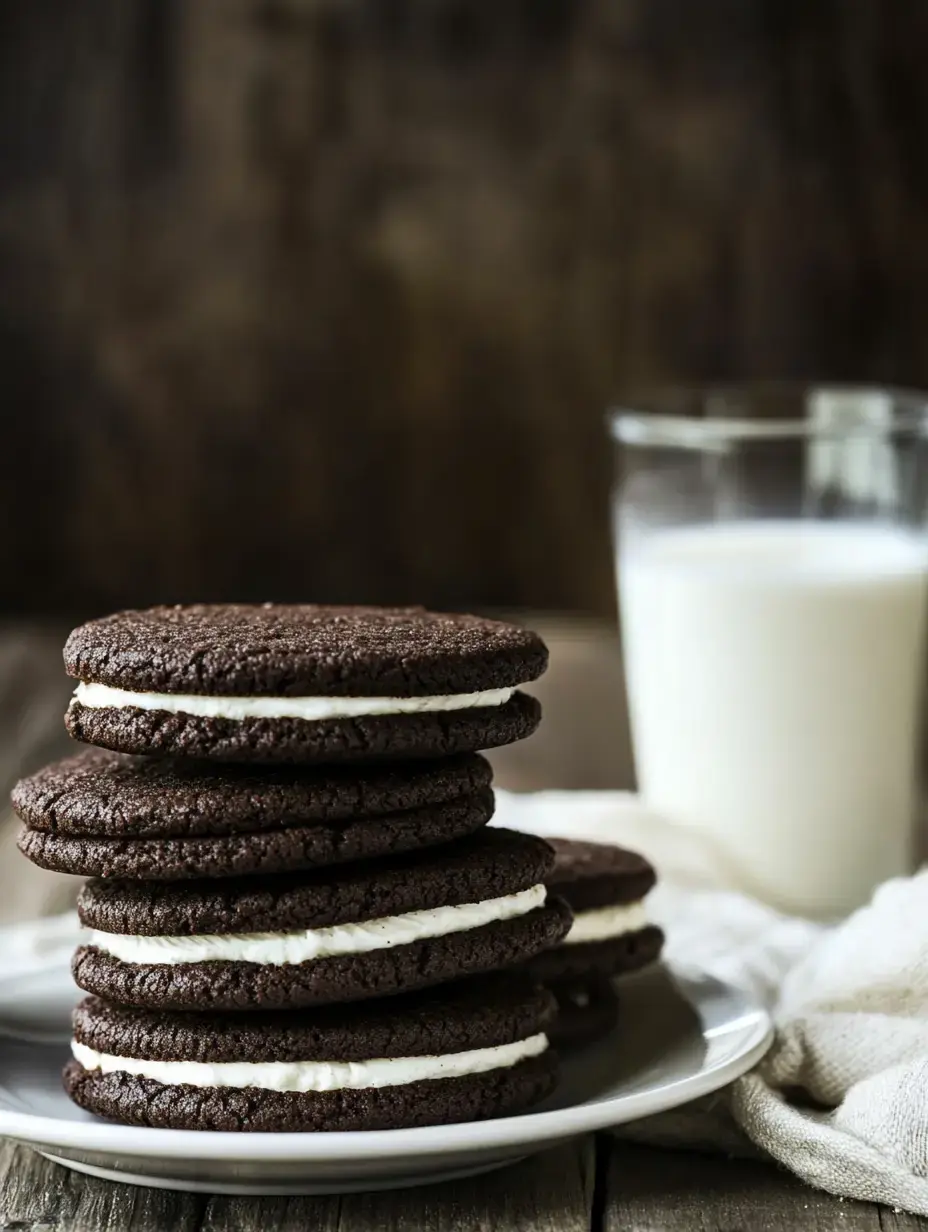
[605, 887]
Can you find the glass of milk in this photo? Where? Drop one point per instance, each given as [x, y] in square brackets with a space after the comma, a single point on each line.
[773, 586]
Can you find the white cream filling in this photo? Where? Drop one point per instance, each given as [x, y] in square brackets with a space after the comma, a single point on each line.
[95, 696]
[315, 1075]
[307, 944]
[606, 922]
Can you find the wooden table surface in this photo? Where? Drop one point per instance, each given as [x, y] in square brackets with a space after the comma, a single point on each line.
[597, 1182]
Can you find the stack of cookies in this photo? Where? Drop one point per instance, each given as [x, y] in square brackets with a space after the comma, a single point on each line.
[297, 916]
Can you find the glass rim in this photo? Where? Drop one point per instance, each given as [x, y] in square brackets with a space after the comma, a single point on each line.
[638, 419]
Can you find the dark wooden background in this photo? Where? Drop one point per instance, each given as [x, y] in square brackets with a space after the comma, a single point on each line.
[325, 298]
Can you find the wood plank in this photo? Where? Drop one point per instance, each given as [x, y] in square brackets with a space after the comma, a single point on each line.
[892, 1220]
[649, 1190]
[227, 1214]
[552, 1192]
[34, 1194]
[641, 1190]
[39, 1196]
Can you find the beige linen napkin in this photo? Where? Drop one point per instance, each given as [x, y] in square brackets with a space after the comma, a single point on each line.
[841, 1099]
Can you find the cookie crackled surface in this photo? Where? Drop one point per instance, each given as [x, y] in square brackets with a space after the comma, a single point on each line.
[464, 1052]
[297, 917]
[301, 683]
[351, 933]
[102, 814]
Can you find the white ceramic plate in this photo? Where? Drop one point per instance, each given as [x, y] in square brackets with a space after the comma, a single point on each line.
[681, 1037]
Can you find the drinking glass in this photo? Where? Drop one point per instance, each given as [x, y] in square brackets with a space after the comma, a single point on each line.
[772, 567]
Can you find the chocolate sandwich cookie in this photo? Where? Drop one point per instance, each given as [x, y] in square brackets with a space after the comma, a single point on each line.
[300, 683]
[604, 887]
[344, 934]
[464, 1052]
[101, 814]
[585, 1013]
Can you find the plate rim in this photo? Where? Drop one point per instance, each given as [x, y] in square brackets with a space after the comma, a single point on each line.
[130, 1141]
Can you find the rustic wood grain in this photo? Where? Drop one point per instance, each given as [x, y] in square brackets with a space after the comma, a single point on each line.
[550, 1193]
[672, 1191]
[899, 1221]
[633, 1189]
[308, 298]
[223, 1214]
[39, 1196]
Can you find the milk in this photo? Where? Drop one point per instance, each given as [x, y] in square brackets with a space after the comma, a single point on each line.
[775, 678]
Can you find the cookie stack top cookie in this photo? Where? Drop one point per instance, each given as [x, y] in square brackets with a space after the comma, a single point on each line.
[285, 812]
[301, 684]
